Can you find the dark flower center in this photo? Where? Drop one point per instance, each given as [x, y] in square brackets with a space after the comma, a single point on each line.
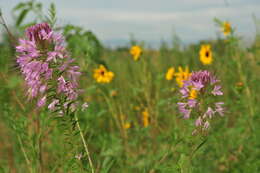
[102, 72]
[207, 54]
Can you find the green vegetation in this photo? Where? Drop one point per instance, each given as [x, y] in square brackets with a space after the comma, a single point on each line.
[35, 140]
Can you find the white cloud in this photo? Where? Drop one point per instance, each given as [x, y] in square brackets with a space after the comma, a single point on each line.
[190, 25]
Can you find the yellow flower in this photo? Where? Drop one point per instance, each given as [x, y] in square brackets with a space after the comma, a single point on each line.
[145, 118]
[135, 51]
[226, 28]
[102, 75]
[170, 73]
[206, 54]
[126, 125]
[182, 75]
[193, 94]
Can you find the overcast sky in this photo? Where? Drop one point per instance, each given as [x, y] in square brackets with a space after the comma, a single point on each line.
[152, 20]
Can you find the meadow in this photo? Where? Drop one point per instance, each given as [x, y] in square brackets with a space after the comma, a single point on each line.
[126, 114]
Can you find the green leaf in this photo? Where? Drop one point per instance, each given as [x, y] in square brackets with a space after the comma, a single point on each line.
[200, 145]
[21, 17]
[19, 6]
[218, 22]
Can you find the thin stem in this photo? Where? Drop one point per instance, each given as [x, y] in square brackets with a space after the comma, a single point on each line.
[24, 153]
[198, 147]
[2, 21]
[84, 143]
[39, 131]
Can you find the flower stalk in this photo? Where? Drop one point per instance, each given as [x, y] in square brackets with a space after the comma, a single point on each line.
[84, 143]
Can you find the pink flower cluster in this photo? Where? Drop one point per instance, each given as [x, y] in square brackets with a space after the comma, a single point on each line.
[205, 88]
[47, 67]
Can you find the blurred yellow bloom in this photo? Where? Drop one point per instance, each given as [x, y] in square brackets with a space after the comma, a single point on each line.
[102, 75]
[193, 94]
[170, 73]
[226, 28]
[145, 118]
[135, 51]
[206, 54]
[113, 93]
[182, 75]
[126, 125]
[137, 108]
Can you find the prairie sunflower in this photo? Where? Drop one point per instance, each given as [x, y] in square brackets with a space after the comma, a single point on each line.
[145, 118]
[193, 94]
[126, 125]
[182, 75]
[136, 51]
[102, 75]
[170, 73]
[226, 28]
[206, 54]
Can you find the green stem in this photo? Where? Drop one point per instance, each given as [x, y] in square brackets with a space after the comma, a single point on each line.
[24, 153]
[84, 143]
[2, 21]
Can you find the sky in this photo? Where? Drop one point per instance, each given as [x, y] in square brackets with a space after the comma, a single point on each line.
[152, 20]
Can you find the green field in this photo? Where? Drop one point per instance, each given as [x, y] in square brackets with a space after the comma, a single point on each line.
[132, 123]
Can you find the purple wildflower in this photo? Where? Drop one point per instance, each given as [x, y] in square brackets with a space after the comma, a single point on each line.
[39, 32]
[41, 102]
[198, 122]
[219, 108]
[195, 92]
[192, 103]
[216, 90]
[209, 113]
[206, 125]
[184, 110]
[84, 106]
[184, 91]
[53, 104]
[47, 67]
